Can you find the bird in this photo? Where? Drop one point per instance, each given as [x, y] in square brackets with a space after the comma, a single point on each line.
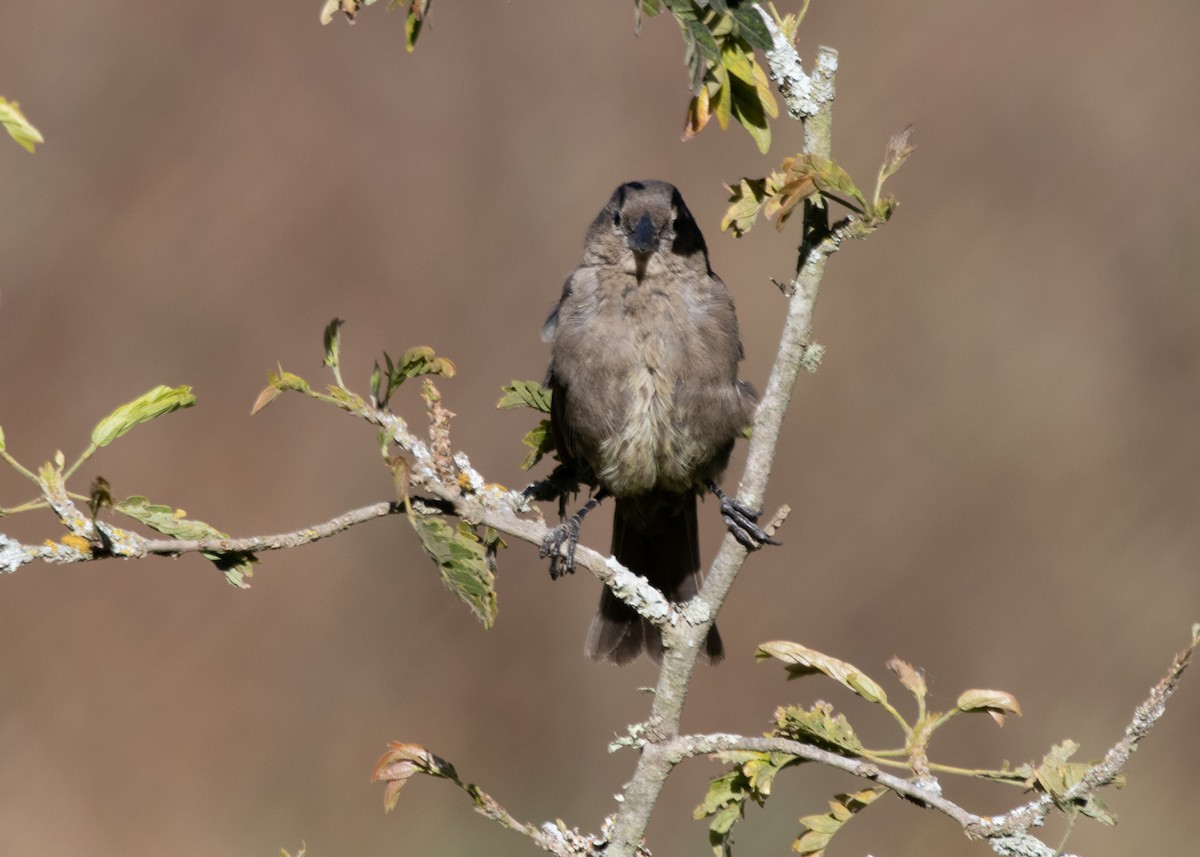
[646, 403]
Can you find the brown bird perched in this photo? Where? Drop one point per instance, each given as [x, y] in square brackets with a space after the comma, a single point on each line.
[646, 402]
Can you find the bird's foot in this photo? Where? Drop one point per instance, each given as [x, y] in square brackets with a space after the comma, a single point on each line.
[552, 546]
[567, 532]
[742, 521]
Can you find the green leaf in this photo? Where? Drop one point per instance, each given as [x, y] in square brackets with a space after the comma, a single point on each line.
[749, 779]
[2, 447]
[801, 661]
[818, 725]
[749, 110]
[525, 394]
[540, 441]
[464, 559]
[700, 36]
[159, 401]
[422, 361]
[745, 201]
[414, 21]
[821, 828]
[235, 565]
[18, 127]
[751, 26]
[376, 381]
[333, 343]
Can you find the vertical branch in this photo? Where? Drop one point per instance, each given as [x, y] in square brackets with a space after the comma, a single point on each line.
[656, 761]
[816, 248]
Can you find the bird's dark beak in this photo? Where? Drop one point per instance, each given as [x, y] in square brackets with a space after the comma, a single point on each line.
[642, 240]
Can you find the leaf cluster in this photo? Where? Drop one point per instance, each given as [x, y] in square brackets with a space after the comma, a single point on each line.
[752, 773]
[816, 179]
[530, 394]
[720, 39]
[52, 477]
[465, 558]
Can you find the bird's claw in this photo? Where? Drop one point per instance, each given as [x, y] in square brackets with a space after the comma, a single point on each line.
[552, 546]
[742, 522]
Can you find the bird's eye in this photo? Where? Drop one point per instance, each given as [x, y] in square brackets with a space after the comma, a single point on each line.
[616, 218]
[675, 224]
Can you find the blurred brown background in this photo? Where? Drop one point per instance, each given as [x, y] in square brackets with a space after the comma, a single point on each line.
[995, 474]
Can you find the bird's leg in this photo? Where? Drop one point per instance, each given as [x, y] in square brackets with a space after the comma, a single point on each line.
[568, 532]
[742, 521]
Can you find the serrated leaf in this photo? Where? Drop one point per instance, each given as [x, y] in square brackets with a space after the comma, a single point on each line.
[822, 828]
[818, 725]
[18, 127]
[1056, 775]
[721, 790]
[801, 660]
[725, 800]
[235, 565]
[1093, 807]
[462, 558]
[422, 361]
[745, 201]
[525, 394]
[159, 401]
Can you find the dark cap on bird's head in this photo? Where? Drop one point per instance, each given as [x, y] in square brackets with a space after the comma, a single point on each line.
[647, 216]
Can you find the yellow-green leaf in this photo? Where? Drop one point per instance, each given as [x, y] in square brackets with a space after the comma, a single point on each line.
[525, 394]
[159, 401]
[818, 725]
[801, 660]
[821, 828]
[995, 702]
[745, 201]
[18, 127]
[540, 440]
[235, 565]
[463, 559]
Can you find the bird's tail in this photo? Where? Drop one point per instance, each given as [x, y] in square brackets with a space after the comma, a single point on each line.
[654, 536]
